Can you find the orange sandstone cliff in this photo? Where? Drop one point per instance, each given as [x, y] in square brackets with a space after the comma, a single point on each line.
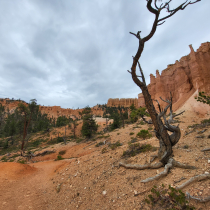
[51, 111]
[126, 102]
[182, 79]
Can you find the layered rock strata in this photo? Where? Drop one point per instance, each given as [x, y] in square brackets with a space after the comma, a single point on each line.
[182, 79]
[126, 102]
[51, 111]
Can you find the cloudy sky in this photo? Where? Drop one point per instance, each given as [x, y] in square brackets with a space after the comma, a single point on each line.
[74, 53]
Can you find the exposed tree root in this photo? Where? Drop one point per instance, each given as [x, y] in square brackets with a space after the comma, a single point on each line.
[153, 158]
[171, 163]
[141, 167]
[201, 200]
[204, 150]
[182, 165]
[193, 179]
[164, 173]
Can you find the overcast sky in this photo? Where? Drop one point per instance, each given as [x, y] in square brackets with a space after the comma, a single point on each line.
[74, 53]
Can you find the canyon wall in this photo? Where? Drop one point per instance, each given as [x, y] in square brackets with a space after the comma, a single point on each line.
[126, 102]
[51, 111]
[182, 79]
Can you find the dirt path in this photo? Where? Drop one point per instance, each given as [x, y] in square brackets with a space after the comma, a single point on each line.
[24, 186]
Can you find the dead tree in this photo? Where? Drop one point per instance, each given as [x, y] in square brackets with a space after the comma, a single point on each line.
[161, 124]
[161, 130]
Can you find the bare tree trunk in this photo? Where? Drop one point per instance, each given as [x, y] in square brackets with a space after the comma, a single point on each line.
[165, 150]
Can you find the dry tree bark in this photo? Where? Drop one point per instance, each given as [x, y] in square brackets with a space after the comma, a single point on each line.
[162, 127]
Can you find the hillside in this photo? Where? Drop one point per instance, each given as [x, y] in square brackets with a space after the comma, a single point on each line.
[89, 177]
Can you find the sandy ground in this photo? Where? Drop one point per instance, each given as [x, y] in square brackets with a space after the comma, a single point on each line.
[87, 179]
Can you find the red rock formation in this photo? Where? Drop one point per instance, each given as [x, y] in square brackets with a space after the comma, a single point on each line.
[192, 72]
[51, 111]
[126, 102]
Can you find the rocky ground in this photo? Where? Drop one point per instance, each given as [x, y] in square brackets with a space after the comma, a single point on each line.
[89, 177]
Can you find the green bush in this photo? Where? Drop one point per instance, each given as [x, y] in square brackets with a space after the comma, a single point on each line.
[115, 145]
[206, 121]
[104, 150]
[171, 198]
[116, 123]
[134, 116]
[141, 122]
[59, 139]
[6, 144]
[136, 148]
[59, 157]
[4, 159]
[131, 133]
[62, 121]
[100, 137]
[89, 126]
[79, 140]
[36, 143]
[144, 134]
[62, 152]
[22, 161]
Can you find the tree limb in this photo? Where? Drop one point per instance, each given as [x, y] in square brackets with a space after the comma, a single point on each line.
[201, 200]
[162, 174]
[193, 179]
[141, 167]
[180, 7]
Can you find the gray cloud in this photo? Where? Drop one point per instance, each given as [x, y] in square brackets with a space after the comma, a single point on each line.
[77, 53]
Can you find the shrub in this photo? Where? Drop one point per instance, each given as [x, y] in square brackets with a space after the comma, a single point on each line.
[62, 121]
[59, 157]
[144, 134]
[21, 161]
[116, 123]
[100, 137]
[104, 150]
[36, 143]
[115, 145]
[133, 140]
[59, 139]
[186, 146]
[4, 159]
[205, 121]
[89, 126]
[62, 152]
[79, 140]
[134, 116]
[162, 198]
[136, 148]
[6, 144]
[131, 133]
[142, 122]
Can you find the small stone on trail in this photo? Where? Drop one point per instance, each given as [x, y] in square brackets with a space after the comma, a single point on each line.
[206, 172]
[104, 192]
[58, 188]
[208, 161]
[135, 192]
[158, 172]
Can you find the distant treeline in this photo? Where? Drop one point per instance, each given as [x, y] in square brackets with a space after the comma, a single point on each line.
[13, 123]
